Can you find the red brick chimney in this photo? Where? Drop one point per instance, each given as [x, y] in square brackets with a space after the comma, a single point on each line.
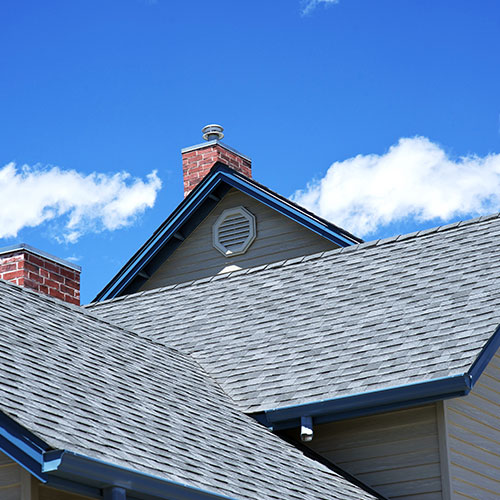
[198, 160]
[26, 266]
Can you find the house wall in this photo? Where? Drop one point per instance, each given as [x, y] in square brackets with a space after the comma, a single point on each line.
[396, 453]
[46, 493]
[17, 484]
[11, 479]
[473, 438]
[278, 238]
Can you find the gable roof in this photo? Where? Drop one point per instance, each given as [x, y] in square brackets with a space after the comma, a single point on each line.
[79, 394]
[410, 314]
[193, 209]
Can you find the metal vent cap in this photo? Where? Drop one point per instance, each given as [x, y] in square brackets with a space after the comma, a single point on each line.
[212, 132]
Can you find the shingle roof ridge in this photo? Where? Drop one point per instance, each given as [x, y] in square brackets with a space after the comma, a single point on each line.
[296, 260]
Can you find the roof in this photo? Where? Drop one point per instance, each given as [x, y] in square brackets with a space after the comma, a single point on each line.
[193, 209]
[388, 314]
[83, 385]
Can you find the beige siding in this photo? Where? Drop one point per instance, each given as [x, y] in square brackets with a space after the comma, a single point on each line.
[278, 238]
[396, 453]
[11, 478]
[473, 427]
[45, 493]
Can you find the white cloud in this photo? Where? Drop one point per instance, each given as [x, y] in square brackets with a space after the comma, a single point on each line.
[415, 179]
[310, 5]
[30, 196]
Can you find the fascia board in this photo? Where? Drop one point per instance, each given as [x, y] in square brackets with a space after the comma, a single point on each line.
[485, 356]
[287, 210]
[22, 446]
[367, 403]
[79, 469]
[147, 252]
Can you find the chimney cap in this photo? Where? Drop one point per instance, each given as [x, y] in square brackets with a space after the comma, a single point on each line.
[212, 132]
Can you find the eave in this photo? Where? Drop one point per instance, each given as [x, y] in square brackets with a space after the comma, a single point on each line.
[378, 401]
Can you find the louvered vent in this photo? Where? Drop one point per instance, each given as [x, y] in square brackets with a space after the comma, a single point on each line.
[234, 231]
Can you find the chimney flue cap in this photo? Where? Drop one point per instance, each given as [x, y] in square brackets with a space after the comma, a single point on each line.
[212, 132]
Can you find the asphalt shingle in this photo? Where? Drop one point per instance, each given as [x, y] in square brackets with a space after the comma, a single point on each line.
[368, 317]
[82, 384]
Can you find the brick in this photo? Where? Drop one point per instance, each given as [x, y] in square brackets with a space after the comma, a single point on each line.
[67, 290]
[72, 283]
[51, 283]
[72, 300]
[28, 266]
[68, 273]
[35, 259]
[56, 293]
[12, 275]
[5, 268]
[27, 283]
[35, 277]
[56, 277]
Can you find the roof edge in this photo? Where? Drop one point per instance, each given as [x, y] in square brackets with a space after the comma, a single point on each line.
[22, 446]
[485, 356]
[91, 472]
[367, 403]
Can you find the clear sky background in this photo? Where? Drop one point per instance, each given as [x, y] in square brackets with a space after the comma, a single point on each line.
[381, 115]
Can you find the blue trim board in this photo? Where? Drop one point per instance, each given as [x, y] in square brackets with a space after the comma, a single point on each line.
[485, 356]
[79, 469]
[221, 178]
[357, 405]
[22, 446]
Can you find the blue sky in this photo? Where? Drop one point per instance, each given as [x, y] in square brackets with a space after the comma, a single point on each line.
[401, 97]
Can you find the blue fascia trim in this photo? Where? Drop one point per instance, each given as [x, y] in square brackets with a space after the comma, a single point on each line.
[367, 403]
[75, 468]
[286, 210]
[22, 446]
[192, 203]
[155, 245]
[485, 356]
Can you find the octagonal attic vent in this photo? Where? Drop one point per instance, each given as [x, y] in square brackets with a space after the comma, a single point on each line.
[234, 231]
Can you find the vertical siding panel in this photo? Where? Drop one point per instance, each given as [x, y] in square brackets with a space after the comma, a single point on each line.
[444, 450]
[473, 426]
[396, 453]
[278, 238]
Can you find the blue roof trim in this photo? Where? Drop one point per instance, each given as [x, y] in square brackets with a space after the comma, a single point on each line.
[80, 474]
[286, 209]
[22, 446]
[485, 356]
[219, 174]
[74, 468]
[367, 403]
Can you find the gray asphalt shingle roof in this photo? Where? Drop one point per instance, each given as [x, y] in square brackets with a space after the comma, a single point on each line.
[82, 384]
[372, 316]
